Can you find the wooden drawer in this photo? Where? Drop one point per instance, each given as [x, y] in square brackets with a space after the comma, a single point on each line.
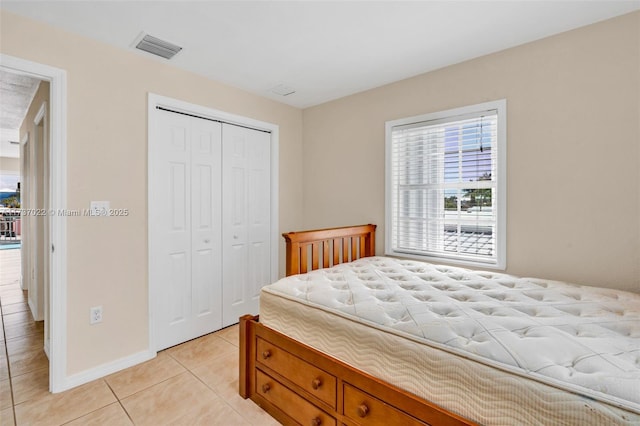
[364, 409]
[295, 406]
[312, 379]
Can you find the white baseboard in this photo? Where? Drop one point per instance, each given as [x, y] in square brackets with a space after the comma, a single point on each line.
[103, 370]
[46, 348]
[32, 308]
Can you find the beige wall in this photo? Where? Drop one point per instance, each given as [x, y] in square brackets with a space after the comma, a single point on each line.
[107, 157]
[9, 164]
[582, 85]
[573, 109]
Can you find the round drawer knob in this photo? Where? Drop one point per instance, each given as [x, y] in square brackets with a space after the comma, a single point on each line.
[316, 422]
[316, 383]
[266, 388]
[363, 410]
[266, 354]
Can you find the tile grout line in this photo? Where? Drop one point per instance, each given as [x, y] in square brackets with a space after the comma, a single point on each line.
[220, 397]
[6, 348]
[93, 411]
[6, 353]
[119, 401]
[148, 387]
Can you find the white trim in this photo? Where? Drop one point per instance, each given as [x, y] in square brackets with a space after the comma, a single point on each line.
[108, 368]
[41, 114]
[58, 380]
[37, 148]
[44, 150]
[214, 114]
[23, 142]
[47, 348]
[501, 243]
[32, 308]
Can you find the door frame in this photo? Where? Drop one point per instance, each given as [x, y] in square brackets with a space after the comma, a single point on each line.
[37, 301]
[57, 160]
[25, 171]
[155, 100]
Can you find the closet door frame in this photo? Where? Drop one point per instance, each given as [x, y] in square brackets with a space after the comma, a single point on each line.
[153, 102]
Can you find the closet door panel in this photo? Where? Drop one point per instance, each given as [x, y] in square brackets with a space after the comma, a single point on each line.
[246, 207]
[259, 213]
[185, 222]
[171, 227]
[178, 223]
[204, 261]
[205, 226]
[179, 293]
[236, 273]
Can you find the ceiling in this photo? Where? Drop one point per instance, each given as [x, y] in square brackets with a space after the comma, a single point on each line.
[323, 50]
[16, 93]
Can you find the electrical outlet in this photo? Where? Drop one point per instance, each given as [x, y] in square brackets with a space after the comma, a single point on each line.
[95, 314]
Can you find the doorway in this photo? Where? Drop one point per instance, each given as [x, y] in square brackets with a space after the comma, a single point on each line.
[52, 227]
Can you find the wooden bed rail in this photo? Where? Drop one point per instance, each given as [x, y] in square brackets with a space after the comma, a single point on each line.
[322, 248]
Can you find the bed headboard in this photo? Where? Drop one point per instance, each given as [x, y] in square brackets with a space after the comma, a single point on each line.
[322, 248]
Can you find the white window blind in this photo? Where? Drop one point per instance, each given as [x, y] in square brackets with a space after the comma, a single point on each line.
[443, 198]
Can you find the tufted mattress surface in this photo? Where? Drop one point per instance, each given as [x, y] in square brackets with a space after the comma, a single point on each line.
[471, 340]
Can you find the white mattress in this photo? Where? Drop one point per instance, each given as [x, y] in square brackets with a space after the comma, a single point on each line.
[491, 347]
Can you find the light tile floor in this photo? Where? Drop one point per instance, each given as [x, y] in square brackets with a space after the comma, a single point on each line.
[195, 383]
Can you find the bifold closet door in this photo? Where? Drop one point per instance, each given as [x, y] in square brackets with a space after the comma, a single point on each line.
[246, 218]
[185, 217]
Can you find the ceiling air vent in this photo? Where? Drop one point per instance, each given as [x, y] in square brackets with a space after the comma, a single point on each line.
[283, 90]
[158, 47]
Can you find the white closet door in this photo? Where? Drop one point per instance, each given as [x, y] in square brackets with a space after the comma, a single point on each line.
[246, 203]
[184, 221]
[206, 236]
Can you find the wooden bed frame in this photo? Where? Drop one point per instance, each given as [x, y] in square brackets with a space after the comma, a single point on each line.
[297, 384]
[335, 245]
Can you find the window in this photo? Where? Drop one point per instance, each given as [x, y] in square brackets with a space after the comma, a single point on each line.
[9, 189]
[446, 186]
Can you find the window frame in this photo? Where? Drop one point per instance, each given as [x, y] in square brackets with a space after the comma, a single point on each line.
[500, 260]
